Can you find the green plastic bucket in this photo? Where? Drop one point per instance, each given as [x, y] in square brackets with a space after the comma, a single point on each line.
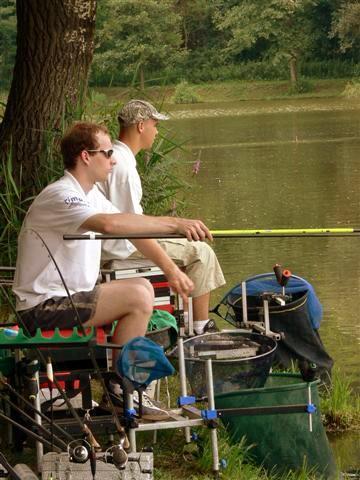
[282, 442]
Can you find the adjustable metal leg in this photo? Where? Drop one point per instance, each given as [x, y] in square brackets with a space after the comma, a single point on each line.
[37, 405]
[132, 431]
[182, 374]
[211, 403]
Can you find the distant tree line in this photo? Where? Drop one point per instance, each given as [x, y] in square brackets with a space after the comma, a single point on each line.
[188, 39]
[150, 41]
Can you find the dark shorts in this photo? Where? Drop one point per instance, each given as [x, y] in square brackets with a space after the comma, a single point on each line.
[59, 312]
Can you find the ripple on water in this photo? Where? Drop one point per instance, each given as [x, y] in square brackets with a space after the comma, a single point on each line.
[264, 107]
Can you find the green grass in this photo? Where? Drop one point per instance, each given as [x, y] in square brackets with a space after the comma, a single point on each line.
[234, 90]
[340, 405]
[176, 460]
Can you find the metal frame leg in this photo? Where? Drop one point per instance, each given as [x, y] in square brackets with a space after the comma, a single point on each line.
[39, 446]
[211, 404]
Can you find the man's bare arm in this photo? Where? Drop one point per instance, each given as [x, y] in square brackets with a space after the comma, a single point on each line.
[177, 279]
[129, 223]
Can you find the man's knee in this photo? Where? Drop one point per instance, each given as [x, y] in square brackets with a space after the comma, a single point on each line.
[143, 296]
[127, 295]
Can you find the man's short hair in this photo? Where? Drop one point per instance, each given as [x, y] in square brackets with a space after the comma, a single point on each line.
[80, 136]
[136, 111]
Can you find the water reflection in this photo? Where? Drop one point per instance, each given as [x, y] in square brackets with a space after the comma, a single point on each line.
[277, 165]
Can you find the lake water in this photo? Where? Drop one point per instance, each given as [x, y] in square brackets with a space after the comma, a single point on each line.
[278, 164]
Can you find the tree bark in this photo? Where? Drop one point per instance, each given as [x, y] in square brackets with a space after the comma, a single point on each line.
[142, 78]
[55, 42]
[293, 70]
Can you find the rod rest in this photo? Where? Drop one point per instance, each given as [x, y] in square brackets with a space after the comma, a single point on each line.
[52, 337]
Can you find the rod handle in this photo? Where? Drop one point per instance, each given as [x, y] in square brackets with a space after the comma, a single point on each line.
[278, 272]
[285, 277]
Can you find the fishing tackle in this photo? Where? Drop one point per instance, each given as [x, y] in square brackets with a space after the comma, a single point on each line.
[116, 455]
[85, 428]
[250, 233]
[79, 451]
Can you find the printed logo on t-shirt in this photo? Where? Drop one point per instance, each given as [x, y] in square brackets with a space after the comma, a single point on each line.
[78, 201]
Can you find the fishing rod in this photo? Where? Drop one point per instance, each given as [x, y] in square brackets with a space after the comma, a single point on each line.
[42, 360]
[34, 409]
[12, 472]
[84, 426]
[249, 233]
[29, 432]
[39, 427]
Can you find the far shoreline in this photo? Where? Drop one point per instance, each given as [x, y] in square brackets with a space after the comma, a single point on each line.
[232, 90]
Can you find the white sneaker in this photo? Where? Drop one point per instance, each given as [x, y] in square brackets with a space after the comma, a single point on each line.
[150, 408]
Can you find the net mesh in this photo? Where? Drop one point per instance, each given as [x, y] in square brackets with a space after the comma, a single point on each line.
[239, 360]
[142, 361]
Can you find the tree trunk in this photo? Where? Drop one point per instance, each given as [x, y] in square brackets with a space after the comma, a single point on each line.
[293, 70]
[142, 78]
[55, 42]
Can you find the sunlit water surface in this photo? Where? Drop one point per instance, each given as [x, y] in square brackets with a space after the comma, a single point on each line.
[278, 164]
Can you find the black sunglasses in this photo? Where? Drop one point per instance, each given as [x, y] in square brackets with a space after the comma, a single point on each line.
[107, 153]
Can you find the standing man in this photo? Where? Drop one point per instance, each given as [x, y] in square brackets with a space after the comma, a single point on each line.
[73, 205]
[138, 121]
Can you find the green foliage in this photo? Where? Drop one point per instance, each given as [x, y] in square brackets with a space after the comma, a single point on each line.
[175, 459]
[346, 26]
[12, 204]
[340, 405]
[160, 180]
[330, 69]
[301, 86]
[137, 37]
[238, 458]
[197, 25]
[12, 210]
[161, 184]
[7, 40]
[185, 93]
[285, 26]
[352, 89]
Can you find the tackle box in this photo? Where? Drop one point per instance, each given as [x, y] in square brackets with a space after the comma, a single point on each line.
[164, 298]
[59, 467]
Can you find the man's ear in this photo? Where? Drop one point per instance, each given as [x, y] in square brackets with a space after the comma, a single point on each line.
[140, 127]
[84, 157]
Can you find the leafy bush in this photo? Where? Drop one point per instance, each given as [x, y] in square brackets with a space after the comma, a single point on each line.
[329, 69]
[184, 93]
[301, 86]
[352, 89]
[160, 181]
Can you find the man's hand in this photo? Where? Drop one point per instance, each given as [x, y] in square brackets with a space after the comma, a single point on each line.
[180, 283]
[193, 229]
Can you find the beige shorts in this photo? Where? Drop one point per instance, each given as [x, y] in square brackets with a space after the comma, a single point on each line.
[198, 260]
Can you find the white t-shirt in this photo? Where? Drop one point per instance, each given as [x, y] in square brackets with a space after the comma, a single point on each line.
[61, 208]
[123, 189]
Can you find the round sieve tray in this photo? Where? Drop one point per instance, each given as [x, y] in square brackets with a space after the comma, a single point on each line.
[239, 360]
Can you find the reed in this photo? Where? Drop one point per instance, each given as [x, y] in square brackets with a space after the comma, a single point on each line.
[161, 182]
[340, 405]
[12, 211]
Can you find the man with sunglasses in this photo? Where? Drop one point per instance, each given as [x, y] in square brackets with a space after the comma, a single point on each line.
[138, 121]
[74, 205]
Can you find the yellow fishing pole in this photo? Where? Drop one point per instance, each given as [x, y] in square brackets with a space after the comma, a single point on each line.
[248, 233]
[287, 232]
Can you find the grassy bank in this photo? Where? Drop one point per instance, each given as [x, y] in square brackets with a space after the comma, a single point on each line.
[231, 91]
[212, 92]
